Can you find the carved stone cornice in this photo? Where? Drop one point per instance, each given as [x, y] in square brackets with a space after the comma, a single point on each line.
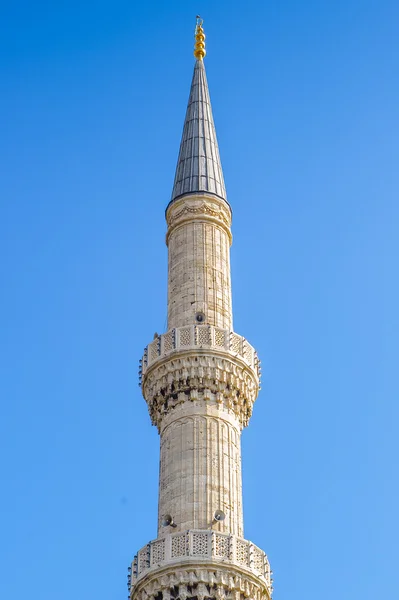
[204, 207]
[206, 376]
[214, 581]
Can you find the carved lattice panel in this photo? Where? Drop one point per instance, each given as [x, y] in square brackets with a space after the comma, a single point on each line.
[143, 559]
[242, 554]
[179, 545]
[157, 551]
[221, 547]
[200, 544]
[153, 350]
[235, 343]
[203, 336]
[167, 342]
[258, 560]
[267, 571]
[219, 338]
[248, 353]
[185, 336]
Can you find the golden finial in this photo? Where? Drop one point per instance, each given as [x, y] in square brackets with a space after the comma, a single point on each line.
[199, 46]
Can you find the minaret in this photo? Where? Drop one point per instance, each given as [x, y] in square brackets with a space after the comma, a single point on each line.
[200, 380]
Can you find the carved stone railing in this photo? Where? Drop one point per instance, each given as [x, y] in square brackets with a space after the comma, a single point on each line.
[198, 337]
[200, 545]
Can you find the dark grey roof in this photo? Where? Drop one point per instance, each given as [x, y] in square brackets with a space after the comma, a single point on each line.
[198, 167]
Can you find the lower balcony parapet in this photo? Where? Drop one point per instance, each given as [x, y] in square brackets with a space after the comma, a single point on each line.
[200, 545]
[195, 337]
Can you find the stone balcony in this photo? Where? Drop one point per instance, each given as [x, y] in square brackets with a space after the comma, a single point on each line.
[196, 337]
[200, 546]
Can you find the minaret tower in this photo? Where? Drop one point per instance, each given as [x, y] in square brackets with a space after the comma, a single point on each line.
[200, 380]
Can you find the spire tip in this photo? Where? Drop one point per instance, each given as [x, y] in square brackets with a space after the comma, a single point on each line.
[199, 46]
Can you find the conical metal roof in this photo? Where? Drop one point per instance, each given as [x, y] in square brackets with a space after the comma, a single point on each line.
[198, 167]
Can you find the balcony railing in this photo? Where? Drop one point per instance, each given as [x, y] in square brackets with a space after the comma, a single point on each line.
[200, 544]
[199, 337]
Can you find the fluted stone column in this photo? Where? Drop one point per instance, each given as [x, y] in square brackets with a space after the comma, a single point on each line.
[200, 470]
[199, 240]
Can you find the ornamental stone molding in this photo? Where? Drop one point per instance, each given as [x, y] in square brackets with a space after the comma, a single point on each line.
[210, 581]
[198, 206]
[220, 380]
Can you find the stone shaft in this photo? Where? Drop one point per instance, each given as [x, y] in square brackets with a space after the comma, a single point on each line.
[199, 239]
[200, 469]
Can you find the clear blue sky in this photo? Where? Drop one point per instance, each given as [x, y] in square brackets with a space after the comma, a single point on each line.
[305, 98]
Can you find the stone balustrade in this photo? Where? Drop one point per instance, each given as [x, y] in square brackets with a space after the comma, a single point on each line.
[196, 337]
[200, 545]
